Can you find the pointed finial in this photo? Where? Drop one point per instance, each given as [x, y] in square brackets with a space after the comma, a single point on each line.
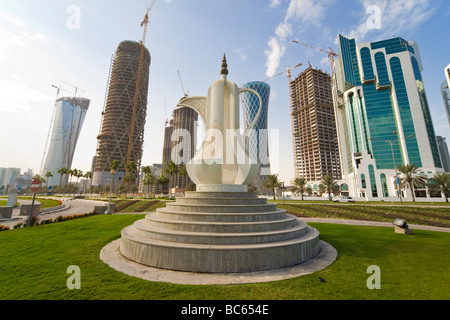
[224, 70]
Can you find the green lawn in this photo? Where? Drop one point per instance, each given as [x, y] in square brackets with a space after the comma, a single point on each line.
[438, 217]
[45, 203]
[34, 262]
[3, 203]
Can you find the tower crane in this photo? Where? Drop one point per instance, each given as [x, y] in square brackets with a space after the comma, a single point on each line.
[288, 70]
[186, 94]
[331, 54]
[144, 24]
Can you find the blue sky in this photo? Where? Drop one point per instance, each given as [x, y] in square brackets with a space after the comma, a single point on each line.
[39, 47]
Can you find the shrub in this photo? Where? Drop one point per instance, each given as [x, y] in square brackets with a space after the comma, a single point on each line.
[3, 228]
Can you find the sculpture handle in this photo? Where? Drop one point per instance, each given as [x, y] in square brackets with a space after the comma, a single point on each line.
[258, 114]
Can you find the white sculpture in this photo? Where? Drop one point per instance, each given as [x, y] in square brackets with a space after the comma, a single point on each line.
[223, 162]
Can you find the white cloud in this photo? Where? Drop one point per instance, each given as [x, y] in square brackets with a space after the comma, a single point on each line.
[273, 54]
[274, 3]
[307, 12]
[242, 55]
[397, 16]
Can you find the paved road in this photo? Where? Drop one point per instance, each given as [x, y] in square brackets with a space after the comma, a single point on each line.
[73, 207]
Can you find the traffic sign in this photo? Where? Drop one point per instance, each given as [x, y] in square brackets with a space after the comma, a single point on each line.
[35, 186]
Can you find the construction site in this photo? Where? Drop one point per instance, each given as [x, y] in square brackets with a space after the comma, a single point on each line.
[123, 118]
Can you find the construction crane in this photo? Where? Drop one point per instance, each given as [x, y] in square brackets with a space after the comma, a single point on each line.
[288, 70]
[186, 94]
[144, 24]
[75, 87]
[331, 54]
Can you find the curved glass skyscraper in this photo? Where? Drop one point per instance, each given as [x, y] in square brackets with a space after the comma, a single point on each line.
[383, 116]
[258, 143]
[67, 123]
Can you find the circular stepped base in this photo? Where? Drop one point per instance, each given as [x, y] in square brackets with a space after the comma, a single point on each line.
[214, 232]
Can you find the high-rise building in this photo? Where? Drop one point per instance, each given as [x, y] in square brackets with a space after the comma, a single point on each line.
[447, 74]
[383, 117]
[443, 152]
[180, 140]
[445, 91]
[316, 152]
[117, 123]
[258, 142]
[67, 123]
[8, 178]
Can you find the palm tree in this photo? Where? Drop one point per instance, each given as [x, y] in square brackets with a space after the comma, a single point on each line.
[411, 178]
[88, 175]
[162, 180]
[146, 170]
[130, 167]
[62, 171]
[443, 181]
[300, 186]
[128, 179]
[171, 169]
[148, 180]
[78, 174]
[71, 173]
[272, 183]
[48, 174]
[329, 185]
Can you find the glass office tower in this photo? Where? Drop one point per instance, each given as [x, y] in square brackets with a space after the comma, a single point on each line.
[258, 144]
[67, 123]
[382, 115]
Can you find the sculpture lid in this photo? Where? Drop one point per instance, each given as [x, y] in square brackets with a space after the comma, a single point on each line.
[224, 70]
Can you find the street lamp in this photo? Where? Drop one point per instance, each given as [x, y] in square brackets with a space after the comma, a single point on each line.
[113, 172]
[391, 142]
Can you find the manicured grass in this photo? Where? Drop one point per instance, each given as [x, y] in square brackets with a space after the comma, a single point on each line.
[45, 203]
[438, 217]
[34, 262]
[3, 203]
[137, 205]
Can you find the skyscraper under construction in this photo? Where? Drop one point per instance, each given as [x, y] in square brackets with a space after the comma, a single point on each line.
[122, 117]
[316, 149]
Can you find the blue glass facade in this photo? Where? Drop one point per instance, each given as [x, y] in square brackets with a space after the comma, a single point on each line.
[381, 77]
[250, 104]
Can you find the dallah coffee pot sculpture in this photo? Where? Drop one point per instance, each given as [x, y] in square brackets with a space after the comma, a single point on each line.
[223, 163]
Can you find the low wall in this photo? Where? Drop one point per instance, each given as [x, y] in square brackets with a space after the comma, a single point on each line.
[25, 209]
[103, 209]
[6, 212]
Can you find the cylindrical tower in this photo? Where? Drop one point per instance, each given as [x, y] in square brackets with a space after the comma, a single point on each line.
[67, 123]
[113, 141]
[258, 143]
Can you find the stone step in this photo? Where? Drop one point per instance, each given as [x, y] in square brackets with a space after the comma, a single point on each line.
[219, 258]
[144, 229]
[214, 226]
[221, 201]
[220, 195]
[232, 208]
[171, 214]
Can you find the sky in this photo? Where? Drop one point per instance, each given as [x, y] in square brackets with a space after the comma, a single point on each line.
[70, 44]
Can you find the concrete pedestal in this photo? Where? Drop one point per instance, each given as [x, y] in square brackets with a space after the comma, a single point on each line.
[220, 232]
